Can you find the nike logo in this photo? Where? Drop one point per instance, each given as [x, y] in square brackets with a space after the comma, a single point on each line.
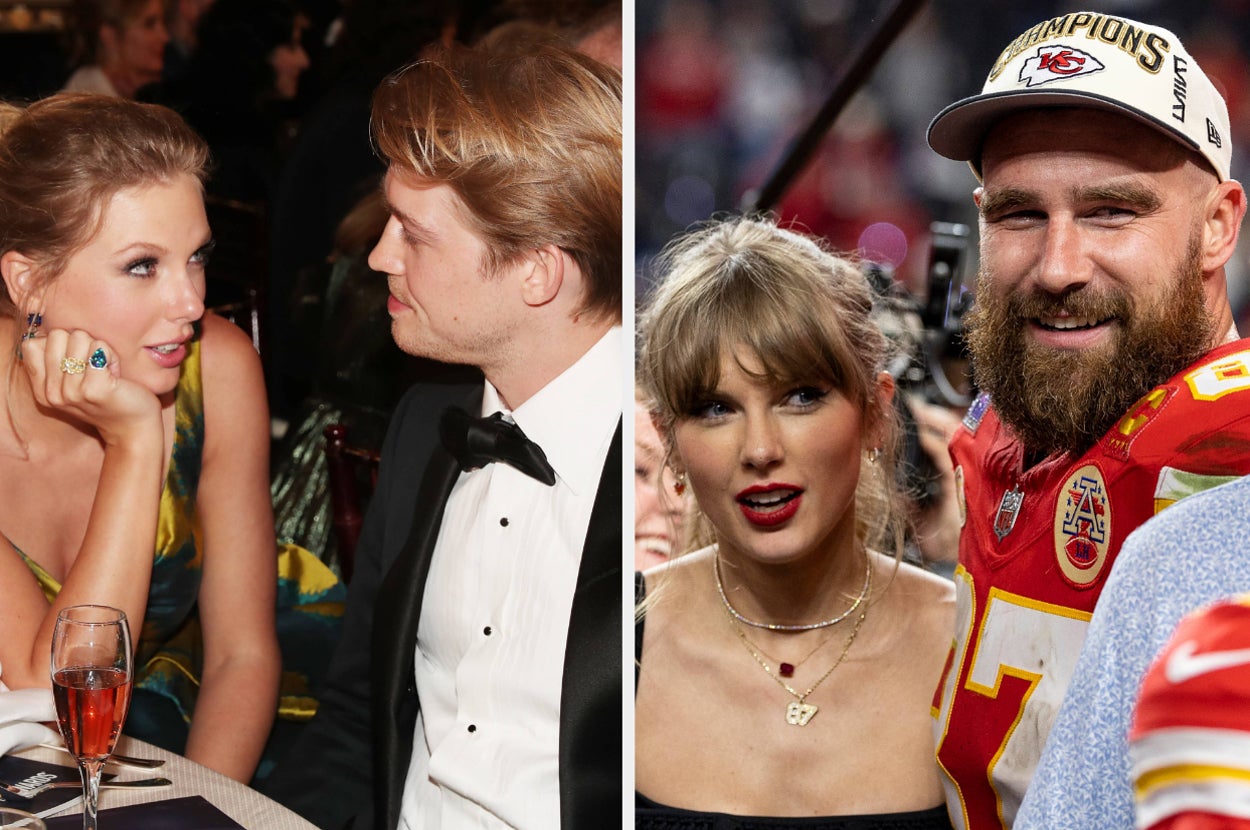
[1184, 665]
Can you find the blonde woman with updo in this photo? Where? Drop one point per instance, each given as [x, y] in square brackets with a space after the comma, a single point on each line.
[786, 670]
[134, 435]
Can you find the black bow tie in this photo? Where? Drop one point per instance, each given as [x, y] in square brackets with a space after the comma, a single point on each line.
[476, 442]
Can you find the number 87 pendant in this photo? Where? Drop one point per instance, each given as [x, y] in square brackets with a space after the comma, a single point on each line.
[799, 713]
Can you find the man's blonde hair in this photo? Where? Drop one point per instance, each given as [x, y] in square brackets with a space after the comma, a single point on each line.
[527, 133]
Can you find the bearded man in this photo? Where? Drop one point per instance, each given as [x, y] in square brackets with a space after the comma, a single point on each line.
[1113, 383]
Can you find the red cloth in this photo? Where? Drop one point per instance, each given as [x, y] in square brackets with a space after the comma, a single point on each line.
[1025, 600]
[1191, 728]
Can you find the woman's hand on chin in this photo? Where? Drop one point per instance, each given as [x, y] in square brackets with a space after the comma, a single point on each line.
[72, 373]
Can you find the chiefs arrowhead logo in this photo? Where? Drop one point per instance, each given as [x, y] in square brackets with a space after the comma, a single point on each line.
[1054, 62]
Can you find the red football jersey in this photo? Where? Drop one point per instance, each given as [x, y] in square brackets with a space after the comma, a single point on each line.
[1034, 552]
[1190, 740]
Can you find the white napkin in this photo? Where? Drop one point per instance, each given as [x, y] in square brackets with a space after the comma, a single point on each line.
[20, 716]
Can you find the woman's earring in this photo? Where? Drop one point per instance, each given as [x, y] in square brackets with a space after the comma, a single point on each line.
[679, 483]
[33, 321]
[874, 454]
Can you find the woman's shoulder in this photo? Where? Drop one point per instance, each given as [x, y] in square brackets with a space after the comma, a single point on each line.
[680, 570]
[225, 340]
[227, 356]
[232, 379]
[674, 588]
[926, 596]
[912, 578]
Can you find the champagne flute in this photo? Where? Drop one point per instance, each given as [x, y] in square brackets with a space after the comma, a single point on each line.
[91, 674]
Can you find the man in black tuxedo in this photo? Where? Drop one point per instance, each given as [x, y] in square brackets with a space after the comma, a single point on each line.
[478, 680]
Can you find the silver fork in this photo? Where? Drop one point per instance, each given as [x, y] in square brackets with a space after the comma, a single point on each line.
[28, 793]
[124, 760]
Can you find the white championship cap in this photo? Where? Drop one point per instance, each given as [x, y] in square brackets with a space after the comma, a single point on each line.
[1086, 59]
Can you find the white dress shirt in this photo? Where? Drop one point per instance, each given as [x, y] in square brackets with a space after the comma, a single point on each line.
[495, 617]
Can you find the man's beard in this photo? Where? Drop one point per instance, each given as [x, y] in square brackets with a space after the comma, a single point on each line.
[1066, 399]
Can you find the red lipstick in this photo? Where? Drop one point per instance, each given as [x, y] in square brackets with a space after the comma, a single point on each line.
[768, 505]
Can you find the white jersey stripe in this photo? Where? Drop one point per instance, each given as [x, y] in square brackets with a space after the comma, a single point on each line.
[1190, 746]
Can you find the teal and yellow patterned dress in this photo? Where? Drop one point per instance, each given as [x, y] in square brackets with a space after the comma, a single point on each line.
[168, 653]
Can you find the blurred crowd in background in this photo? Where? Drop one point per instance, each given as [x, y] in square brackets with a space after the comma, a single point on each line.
[725, 86]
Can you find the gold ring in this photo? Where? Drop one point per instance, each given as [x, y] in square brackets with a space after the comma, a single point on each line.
[73, 366]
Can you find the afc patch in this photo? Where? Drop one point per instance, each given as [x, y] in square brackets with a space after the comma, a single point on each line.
[972, 418]
[1083, 527]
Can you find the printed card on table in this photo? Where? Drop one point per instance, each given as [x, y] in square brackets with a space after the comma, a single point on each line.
[189, 813]
[27, 773]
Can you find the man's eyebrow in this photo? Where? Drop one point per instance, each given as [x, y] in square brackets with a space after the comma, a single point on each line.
[1144, 199]
[1004, 199]
[410, 224]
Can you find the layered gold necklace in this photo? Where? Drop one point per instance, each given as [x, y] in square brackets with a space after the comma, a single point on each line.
[798, 711]
[733, 612]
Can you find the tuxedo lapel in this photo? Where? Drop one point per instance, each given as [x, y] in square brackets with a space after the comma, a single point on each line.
[590, 701]
[397, 615]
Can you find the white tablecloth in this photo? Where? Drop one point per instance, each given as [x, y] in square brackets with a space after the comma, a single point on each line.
[243, 804]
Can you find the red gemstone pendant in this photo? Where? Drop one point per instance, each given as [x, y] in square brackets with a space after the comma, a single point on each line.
[786, 670]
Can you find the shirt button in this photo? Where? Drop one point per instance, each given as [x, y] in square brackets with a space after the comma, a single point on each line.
[487, 631]
[503, 522]
[472, 727]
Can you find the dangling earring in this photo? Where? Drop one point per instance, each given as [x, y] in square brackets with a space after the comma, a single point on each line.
[33, 321]
[874, 454]
[679, 483]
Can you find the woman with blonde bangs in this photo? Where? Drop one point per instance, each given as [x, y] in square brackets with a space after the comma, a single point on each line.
[796, 656]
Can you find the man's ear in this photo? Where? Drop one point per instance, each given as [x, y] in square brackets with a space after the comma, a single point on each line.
[1225, 210]
[544, 275]
[18, 272]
